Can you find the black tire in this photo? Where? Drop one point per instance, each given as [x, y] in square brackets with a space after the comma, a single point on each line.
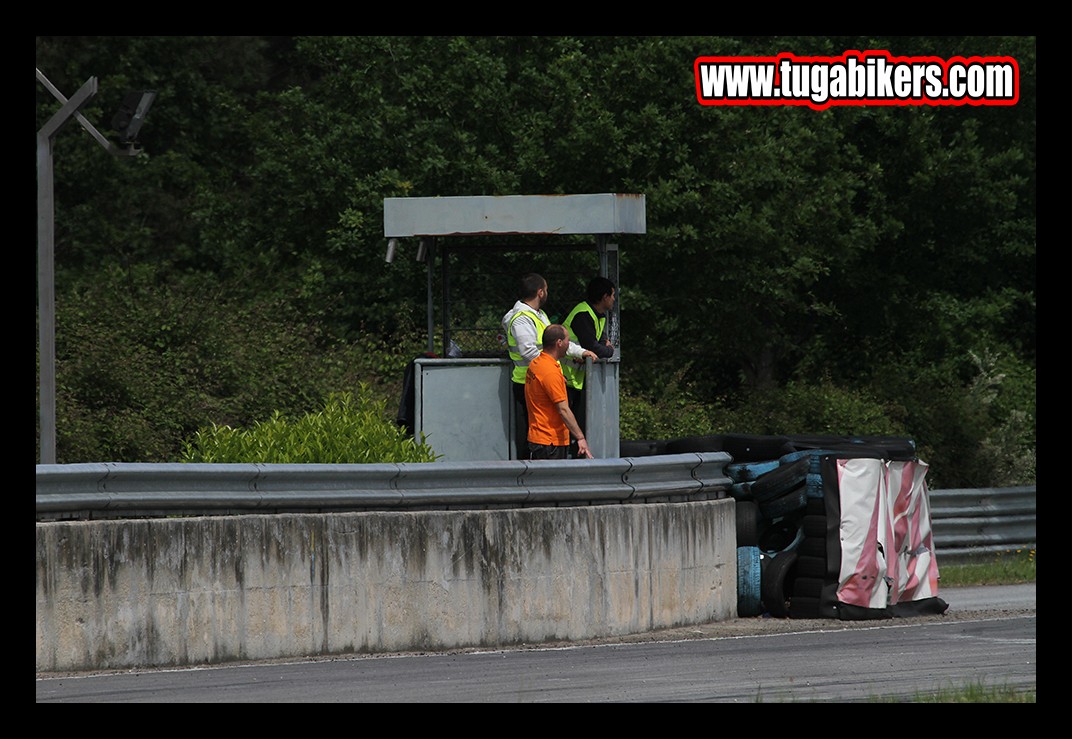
[801, 607]
[813, 546]
[815, 526]
[807, 587]
[779, 537]
[816, 442]
[810, 566]
[753, 448]
[900, 448]
[636, 448]
[780, 481]
[791, 502]
[884, 447]
[777, 577]
[748, 523]
[687, 444]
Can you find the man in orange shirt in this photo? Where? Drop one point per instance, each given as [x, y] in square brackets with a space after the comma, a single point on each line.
[550, 419]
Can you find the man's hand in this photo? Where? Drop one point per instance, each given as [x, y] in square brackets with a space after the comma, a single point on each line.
[589, 353]
[583, 452]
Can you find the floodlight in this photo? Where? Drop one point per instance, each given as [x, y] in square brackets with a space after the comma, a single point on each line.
[132, 114]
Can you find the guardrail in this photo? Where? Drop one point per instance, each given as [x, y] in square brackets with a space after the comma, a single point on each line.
[969, 523]
[966, 523]
[115, 490]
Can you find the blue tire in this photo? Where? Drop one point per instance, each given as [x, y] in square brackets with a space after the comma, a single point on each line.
[749, 581]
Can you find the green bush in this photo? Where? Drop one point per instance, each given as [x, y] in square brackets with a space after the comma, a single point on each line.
[797, 408]
[347, 430]
[144, 362]
[976, 431]
[672, 415]
[812, 408]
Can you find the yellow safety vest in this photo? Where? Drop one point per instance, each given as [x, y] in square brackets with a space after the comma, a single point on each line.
[520, 365]
[572, 371]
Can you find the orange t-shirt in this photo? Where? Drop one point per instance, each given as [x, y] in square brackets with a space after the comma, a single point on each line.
[545, 387]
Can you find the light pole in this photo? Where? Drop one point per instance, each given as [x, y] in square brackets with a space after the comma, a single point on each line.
[46, 232]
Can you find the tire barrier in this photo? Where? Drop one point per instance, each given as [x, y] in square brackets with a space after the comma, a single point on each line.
[778, 538]
[644, 448]
[782, 479]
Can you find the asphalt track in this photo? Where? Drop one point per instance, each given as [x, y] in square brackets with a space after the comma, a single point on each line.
[986, 638]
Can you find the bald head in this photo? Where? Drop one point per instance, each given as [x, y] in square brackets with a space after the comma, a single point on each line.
[552, 335]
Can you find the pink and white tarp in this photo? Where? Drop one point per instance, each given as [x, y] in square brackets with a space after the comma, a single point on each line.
[887, 549]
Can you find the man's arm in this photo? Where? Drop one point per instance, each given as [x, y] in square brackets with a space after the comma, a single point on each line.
[585, 329]
[578, 352]
[571, 423]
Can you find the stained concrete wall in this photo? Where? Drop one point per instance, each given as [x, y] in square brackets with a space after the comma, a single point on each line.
[186, 591]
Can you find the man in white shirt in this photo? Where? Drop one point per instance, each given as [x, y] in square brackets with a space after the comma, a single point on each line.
[523, 327]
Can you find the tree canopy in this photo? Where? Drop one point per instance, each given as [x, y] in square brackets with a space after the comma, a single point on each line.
[881, 248]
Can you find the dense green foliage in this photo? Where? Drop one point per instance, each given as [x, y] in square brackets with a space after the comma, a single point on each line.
[855, 270]
[142, 365]
[347, 430]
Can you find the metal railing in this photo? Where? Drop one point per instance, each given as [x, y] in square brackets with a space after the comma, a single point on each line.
[966, 523]
[126, 490]
[969, 523]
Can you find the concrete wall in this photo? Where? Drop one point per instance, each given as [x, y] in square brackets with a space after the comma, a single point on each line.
[186, 591]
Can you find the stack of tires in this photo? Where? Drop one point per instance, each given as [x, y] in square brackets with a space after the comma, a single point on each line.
[812, 589]
[788, 546]
[778, 494]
